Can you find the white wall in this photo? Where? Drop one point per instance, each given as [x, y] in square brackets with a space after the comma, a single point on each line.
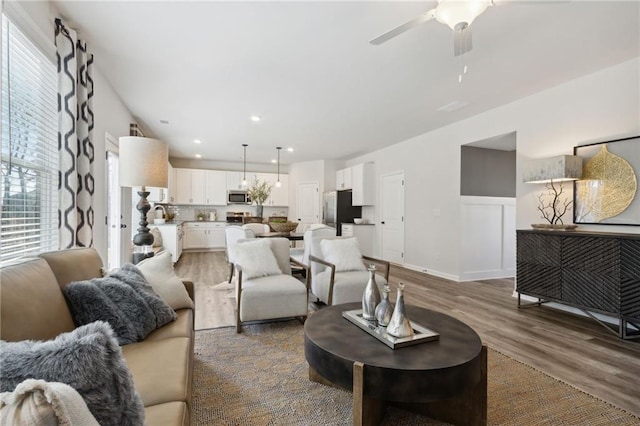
[598, 107]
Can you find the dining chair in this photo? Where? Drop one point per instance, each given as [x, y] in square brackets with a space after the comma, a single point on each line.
[301, 254]
[258, 228]
[339, 270]
[232, 234]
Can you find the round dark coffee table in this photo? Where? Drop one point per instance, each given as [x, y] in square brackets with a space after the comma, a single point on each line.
[445, 379]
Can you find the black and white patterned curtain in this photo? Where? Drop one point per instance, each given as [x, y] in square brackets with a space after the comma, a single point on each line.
[76, 183]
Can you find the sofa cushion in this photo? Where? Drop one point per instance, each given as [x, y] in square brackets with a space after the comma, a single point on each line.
[161, 369]
[77, 264]
[31, 303]
[181, 327]
[158, 270]
[87, 359]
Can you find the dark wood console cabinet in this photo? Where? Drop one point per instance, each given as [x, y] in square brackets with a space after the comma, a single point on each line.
[591, 271]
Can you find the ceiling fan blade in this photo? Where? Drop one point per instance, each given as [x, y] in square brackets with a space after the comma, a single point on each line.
[462, 41]
[427, 16]
[527, 2]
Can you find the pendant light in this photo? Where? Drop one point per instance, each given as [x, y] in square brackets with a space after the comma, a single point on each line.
[278, 184]
[244, 165]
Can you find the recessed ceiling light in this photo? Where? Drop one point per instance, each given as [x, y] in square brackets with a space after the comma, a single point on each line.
[198, 156]
[164, 121]
[290, 149]
[256, 118]
[197, 141]
[274, 161]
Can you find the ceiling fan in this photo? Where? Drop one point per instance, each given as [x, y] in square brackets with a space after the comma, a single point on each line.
[458, 15]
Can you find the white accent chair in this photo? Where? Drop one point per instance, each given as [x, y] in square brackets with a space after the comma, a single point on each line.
[319, 230]
[233, 234]
[258, 228]
[334, 287]
[274, 296]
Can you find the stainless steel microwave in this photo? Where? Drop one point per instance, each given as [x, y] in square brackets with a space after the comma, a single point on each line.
[238, 197]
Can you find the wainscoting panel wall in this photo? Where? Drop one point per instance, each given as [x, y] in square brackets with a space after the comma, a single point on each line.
[488, 239]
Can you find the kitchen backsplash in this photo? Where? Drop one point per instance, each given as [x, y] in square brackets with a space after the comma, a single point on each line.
[189, 212]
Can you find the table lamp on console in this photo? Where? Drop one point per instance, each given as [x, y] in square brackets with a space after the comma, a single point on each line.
[143, 163]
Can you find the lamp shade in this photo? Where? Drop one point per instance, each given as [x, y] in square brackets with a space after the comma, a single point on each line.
[560, 168]
[143, 162]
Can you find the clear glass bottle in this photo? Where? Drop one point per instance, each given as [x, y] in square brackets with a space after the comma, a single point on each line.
[399, 325]
[384, 310]
[371, 296]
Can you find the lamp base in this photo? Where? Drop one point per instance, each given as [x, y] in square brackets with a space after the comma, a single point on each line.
[139, 257]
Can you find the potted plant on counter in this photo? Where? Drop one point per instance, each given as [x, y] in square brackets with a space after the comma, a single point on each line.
[258, 192]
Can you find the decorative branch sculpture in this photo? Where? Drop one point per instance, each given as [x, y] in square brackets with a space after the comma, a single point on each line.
[552, 205]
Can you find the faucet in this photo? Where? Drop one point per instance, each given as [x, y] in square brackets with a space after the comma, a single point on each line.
[164, 211]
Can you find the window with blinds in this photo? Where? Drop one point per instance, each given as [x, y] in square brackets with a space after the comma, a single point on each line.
[29, 148]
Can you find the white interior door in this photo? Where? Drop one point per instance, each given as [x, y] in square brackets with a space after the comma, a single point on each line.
[118, 201]
[307, 204]
[392, 217]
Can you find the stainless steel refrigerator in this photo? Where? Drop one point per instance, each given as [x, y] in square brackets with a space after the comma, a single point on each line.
[337, 209]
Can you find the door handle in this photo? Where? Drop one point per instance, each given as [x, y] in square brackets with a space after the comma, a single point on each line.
[382, 222]
[123, 225]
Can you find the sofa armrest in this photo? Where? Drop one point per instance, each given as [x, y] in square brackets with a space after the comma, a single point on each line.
[190, 289]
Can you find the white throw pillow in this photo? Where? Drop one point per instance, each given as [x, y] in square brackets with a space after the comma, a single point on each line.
[158, 270]
[344, 253]
[256, 259]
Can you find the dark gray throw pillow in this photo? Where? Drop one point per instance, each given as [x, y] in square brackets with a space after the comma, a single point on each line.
[88, 303]
[132, 275]
[124, 299]
[89, 360]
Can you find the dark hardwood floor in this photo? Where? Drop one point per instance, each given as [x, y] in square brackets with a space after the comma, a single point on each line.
[572, 348]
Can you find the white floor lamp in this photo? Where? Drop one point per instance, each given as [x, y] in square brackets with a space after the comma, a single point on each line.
[143, 163]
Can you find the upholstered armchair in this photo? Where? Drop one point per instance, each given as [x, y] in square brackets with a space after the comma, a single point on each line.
[339, 270]
[265, 288]
[233, 234]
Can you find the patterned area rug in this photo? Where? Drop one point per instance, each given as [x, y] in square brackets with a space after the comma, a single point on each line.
[260, 377]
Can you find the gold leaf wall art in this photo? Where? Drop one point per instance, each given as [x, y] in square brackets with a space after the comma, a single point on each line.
[607, 188]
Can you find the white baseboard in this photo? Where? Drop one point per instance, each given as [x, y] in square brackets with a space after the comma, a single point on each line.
[431, 272]
[487, 275]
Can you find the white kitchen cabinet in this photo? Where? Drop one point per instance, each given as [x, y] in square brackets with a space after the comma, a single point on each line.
[191, 186]
[279, 196]
[234, 181]
[363, 184]
[216, 182]
[343, 179]
[204, 235]
[363, 233]
[171, 239]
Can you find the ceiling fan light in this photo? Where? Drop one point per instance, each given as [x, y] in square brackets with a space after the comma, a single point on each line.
[455, 12]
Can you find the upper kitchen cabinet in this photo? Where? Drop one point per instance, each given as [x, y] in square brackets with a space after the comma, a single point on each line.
[191, 186]
[363, 184]
[216, 187]
[234, 181]
[279, 196]
[343, 179]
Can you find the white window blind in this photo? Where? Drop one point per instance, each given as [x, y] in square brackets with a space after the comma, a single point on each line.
[29, 154]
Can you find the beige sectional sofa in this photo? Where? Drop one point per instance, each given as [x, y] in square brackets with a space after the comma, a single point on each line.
[32, 306]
